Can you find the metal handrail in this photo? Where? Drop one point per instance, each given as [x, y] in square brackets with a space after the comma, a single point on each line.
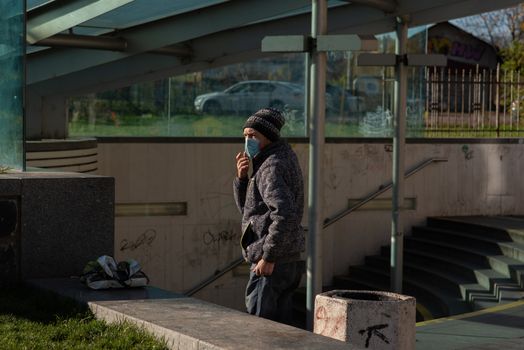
[215, 276]
[381, 189]
[327, 222]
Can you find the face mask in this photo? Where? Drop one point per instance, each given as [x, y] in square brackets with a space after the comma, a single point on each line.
[252, 147]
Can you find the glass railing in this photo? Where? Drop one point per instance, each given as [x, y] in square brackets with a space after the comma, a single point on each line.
[216, 102]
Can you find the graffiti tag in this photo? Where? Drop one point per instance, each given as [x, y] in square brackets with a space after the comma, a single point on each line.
[374, 331]
[222, 236]
[146, 238]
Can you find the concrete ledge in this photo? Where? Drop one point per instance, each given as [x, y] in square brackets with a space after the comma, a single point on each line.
[188, 323]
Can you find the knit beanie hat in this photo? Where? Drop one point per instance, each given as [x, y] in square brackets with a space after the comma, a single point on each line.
[267, 121]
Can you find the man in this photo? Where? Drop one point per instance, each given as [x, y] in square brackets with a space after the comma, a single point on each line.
[271, 202]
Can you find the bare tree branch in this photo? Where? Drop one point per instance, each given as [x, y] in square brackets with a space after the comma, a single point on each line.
[499, 28]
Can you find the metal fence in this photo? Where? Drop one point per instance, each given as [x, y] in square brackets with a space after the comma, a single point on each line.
[475, 102]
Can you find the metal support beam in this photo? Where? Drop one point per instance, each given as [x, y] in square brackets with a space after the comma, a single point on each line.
[179, 50]
[387, 6]
[85, 42]
[107, 43]
[316, 152]
[57, 16]
[399, 144]
[207, 51]
[161, 33]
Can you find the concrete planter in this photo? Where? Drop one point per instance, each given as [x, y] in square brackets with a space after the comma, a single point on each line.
[367, 319]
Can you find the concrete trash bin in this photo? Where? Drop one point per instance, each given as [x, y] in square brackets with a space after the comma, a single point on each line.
[367, 319]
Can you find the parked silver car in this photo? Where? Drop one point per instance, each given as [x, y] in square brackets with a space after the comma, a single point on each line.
[251, 95]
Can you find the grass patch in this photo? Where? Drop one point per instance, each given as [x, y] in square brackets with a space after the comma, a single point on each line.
[200, 126]
[34, 319]
[192, 125]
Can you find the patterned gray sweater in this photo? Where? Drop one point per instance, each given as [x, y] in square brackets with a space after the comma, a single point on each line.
[271, 202]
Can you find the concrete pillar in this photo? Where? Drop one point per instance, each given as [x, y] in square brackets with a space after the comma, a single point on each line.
[367, 319]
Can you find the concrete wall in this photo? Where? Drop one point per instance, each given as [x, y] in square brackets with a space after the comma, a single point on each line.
[179, 251]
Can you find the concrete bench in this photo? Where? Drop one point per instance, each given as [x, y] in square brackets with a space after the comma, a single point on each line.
[188, 323]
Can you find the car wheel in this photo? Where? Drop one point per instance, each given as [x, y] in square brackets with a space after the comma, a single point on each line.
[277, 105]
[212, 107]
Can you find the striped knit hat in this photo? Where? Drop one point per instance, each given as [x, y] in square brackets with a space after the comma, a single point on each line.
[268, 122]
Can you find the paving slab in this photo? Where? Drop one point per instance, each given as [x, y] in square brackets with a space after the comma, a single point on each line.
[188, 323]
[499, 327]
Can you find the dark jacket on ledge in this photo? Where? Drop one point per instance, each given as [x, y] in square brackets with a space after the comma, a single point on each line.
[271, 202]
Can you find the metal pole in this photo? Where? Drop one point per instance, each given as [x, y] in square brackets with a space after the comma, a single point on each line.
[316, 151]
[307, 92]
[169, 106]
[397, 229]
[497, 99]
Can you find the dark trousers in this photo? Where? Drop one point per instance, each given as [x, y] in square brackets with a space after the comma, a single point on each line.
[271, 297]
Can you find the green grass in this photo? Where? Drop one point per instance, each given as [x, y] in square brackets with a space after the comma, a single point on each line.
[231, 126]
[179, 125]
[33, 319]
[196, 126]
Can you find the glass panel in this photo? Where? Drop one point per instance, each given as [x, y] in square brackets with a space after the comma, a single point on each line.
[211, 103]
[11, 83]
[363, 97]
[216, 102]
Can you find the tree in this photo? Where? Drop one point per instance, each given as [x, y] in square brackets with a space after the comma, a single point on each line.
[499, 28]
[513, 56]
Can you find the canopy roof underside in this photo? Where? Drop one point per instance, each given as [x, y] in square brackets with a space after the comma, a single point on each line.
[92, 45]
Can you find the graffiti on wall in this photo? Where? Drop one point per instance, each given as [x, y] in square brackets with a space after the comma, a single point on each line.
[215, 237]
[455, 48]
[146, 238]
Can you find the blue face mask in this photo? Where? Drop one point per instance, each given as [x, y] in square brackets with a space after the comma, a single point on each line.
[252, 147]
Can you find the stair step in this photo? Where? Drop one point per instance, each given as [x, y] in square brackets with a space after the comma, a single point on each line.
[489, 278]
[445, 279]
[494, 285]
[467, 254]
[453, 265]
[514, 250]
[485, 244]
[474, 254]
[509, 267]
[515, 227]
[446, 264]
[511, 293]
[470, 291]
[497, 227]
[423, 289]
[485, 304]
[443, 263]
[429, 311]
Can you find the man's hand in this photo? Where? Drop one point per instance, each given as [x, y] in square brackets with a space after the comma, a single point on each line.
[264, 268]
[242, 165]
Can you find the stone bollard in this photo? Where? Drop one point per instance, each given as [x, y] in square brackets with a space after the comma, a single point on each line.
[367, 319]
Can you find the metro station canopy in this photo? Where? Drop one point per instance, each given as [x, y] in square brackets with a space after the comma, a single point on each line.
[83, 46]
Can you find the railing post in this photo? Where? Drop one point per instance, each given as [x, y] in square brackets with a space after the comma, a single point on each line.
[397, 229]
[316, 153]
